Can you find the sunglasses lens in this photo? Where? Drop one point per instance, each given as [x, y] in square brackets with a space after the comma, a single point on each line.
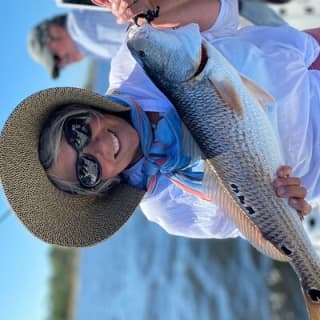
[88, 171]
[77, 133]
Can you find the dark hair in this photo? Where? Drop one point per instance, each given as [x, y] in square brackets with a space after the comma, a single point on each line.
[60, 20]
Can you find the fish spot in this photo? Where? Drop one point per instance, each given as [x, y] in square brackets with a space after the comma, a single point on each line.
[286, 251]
[312, 222]
[250, 210]
[314, 295]
[242, 200]
[142, 54]
[234, 187]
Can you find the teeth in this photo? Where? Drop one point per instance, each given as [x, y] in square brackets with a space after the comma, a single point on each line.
[116, 143]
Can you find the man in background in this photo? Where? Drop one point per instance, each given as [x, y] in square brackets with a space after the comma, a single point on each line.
[57, 42]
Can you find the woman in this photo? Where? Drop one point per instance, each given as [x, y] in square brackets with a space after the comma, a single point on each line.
[74, 165]
[71, 149]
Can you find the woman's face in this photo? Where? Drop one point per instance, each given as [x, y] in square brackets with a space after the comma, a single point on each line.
[114, 143]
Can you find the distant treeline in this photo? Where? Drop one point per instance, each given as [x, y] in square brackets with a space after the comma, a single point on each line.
[62, 283]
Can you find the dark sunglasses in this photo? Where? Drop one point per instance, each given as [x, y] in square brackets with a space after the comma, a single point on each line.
[78, 134]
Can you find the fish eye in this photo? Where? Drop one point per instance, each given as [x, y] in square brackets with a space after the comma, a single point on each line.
[141, 53]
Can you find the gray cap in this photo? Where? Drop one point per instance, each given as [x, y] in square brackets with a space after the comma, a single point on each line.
[38, 39]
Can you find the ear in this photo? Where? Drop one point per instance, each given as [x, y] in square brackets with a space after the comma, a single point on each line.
[102, 3]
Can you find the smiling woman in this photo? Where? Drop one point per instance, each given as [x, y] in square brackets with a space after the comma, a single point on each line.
[110, 152]
[85, 149]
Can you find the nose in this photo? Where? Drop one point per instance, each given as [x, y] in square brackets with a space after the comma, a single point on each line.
[100, 148]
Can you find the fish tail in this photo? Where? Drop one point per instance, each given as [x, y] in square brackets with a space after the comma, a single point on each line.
[313, 308]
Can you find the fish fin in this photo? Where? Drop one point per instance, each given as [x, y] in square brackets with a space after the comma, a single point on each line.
[229, 95]
[209, 183]
[214, 188]
[313, 308]
[260, 94]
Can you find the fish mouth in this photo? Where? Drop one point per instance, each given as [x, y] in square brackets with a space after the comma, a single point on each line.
[203, 60]
[136, 33]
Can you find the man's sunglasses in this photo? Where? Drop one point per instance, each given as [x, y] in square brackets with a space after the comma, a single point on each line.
[78, 134]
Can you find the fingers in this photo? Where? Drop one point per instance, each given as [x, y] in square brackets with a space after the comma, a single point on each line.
[125, 10]
[284, 171]
[291, 188]
[102, 3]
[286, 186]
[302, 206]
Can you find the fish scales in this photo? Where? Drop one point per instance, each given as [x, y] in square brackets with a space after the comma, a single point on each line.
[238, 142]
[228, 152]
[225, 147]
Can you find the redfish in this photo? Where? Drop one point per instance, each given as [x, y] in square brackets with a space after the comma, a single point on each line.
[225, 113]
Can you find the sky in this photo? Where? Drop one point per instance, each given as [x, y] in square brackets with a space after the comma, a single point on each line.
[24, 268]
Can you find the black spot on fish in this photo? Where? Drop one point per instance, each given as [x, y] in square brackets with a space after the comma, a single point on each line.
[141, 53]
[286, 250]
[312, 222]
[314, 295]
[234, 187]
[241, 198]
[250, 210]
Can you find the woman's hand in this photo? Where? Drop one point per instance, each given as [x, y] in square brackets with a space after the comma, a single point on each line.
[290, 187]
[126, 10]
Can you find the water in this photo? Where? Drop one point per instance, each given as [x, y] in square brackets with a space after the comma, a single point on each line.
[143, 273]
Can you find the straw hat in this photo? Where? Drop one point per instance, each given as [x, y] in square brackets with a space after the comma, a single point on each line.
[50, 214]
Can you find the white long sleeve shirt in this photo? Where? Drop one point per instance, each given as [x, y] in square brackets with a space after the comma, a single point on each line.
[96, 33]
[175, 210]
[280, 66]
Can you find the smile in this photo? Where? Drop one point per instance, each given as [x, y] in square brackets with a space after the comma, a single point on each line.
[116, 143]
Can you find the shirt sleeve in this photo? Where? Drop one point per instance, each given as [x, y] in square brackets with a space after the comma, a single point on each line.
[182, 214]
[95, 33]
[227, 22]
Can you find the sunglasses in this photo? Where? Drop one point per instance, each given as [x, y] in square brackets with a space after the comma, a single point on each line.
[78, 134]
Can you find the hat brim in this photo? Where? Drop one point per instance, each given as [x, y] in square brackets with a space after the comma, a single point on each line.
[50, 214]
